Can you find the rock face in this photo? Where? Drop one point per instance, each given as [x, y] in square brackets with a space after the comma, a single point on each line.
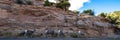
[15, 18]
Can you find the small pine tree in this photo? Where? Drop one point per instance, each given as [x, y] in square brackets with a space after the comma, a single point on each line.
[65, 5]
[47, 3]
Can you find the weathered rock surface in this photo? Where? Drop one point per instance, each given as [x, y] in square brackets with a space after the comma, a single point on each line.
[15, 18]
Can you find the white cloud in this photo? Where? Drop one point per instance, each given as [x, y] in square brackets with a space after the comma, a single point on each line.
[52, 1]
[75, 4]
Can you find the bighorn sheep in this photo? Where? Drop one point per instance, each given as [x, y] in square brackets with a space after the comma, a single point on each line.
[27, 33]
[49, 33]
[60, 33]
[80, 33]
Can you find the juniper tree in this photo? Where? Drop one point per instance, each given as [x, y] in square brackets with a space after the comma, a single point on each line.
[63, 4]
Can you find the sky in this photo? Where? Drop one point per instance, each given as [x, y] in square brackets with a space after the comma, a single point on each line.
[75, 4]
[102, 6]
[97, 6]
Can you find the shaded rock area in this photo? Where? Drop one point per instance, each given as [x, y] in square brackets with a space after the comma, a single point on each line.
[15, 18]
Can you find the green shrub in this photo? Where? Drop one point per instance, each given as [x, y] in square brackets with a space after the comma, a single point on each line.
[74, 35]
[89, 11]
[27, 2]
[63, 4]
[103, 14]
[59, 5]
[114, 18]
[19, 1]
[75, 11]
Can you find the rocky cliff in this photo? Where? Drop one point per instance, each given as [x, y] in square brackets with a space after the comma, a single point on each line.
[15, 18]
